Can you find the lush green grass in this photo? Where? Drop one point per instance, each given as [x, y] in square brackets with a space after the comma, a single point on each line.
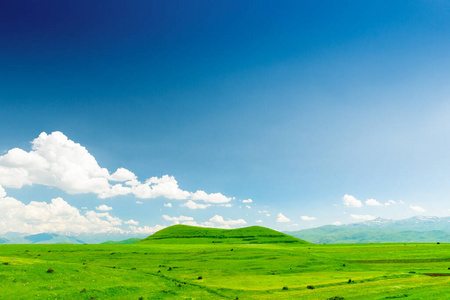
[155, 270]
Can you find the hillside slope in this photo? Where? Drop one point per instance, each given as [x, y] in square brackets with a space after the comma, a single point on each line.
[185, 234]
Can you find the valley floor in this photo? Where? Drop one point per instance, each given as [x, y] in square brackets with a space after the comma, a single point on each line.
[225, 271]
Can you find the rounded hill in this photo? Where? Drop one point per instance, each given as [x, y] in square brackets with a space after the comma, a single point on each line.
[185, 234]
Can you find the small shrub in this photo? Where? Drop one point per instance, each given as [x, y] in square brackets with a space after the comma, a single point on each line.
[83, 290]
[438, 243]
[336, 298]
[285, 288]
[350, 281]
[133, 269]
[7, 263]
[412, 272]
[200, 277]
[231, 249]
[170, 269]
[159, 271]
[141, 298]
[310, 287]
[343, 265]
[50, 270]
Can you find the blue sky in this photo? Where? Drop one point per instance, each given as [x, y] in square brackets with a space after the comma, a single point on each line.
[308, 108]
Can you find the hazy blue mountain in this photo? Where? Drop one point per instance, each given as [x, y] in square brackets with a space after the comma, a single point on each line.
[417, 229]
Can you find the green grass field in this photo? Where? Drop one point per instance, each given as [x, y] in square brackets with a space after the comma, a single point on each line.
[199, 267]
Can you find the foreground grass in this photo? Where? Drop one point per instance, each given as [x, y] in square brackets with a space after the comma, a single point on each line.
[228, 271]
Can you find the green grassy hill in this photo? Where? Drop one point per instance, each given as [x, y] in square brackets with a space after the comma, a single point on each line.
[184, 234]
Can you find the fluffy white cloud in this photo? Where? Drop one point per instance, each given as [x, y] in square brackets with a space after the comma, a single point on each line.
[362, 217]
[337, 223]
[123, 174]
[248, 206]
[210, 198]
[373, 202]
[226, 205]
[54, 217]
[259, 221]
[57, 161]
[351, 201]
[247, 201]
[282, 218]
[104, 207]
[220, 220]
[177, 220]
[306, 218]
[146, 229]
[168, 204]
[155, 187]
[2, 192]
[54, 161]
[132, 222]
[417, 208]
[267, 215]
[194, 205]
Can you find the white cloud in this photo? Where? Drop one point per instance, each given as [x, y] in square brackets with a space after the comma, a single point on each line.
[139, 202]
[226, 205]
[57, 161]
[123, 174]
[267, 215]
[248, 206]
[373, 202]
[103, 207]
[146, 229]
[54, 217]
[194, 205]
[210, 198]
[262, 211]
[247, 201]
[259, 221]
[417, 208]
[168, 204]
[132, 222]
[282, 218]
[220, 220]
[362, 217]
[351, 201]
[337, 223]
[306, 218]
[2, 192]
[177, 220]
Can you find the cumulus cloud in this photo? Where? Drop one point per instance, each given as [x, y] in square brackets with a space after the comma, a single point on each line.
[351, 201]
[373, 202]
[146, 229]
[282, 218]
[54, 217]
[194, 205]
[306, 218]
[57, 161]
[210, 198]
[132, 222]
[259, 221]
[362, 217]
[247, 201]
[248, 206]
[103, 207]
[177, 220]
[2, 192]
[168, 204]
[417, 208]
[337, 223]
[220, 220]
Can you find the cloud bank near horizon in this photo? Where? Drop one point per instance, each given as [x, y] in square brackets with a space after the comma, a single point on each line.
[57, 161]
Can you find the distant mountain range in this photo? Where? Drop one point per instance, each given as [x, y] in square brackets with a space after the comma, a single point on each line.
[419, 229]
[53, 238]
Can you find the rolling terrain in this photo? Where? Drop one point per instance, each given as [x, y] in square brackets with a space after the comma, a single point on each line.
[183, 262]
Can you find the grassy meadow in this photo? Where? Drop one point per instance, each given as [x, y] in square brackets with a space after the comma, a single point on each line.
[212, 266]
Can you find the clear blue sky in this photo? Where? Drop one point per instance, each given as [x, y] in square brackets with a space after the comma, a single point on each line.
[292, 104]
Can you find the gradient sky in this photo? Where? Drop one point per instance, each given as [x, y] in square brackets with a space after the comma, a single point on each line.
[308, 108]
